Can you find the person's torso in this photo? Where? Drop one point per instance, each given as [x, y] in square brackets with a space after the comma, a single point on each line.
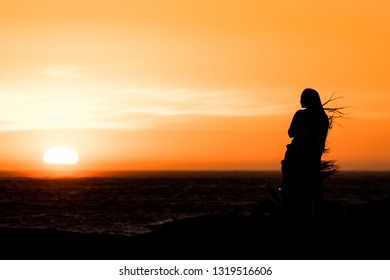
[310, 130]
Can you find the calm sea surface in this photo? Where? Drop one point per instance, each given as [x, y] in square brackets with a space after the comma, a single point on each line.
[136, 202]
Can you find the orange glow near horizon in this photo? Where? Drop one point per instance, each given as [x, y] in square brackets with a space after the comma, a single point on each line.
[168, 84]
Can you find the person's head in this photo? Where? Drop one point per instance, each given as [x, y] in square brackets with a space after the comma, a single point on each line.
[310, 99]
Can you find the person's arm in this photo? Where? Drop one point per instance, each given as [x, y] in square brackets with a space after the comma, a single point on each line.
[292, 131]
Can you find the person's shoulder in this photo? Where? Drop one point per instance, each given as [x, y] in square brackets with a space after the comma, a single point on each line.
[300, 113]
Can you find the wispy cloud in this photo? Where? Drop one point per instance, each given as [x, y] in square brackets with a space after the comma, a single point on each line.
[62, 71]
[187, 101]
[128, 108]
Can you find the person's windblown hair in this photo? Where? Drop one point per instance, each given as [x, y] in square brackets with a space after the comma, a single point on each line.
[330, 167]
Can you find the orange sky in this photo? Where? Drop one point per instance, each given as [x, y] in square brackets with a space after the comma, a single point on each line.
[195, 84]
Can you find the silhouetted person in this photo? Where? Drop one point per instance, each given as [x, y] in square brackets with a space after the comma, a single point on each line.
[301, 165]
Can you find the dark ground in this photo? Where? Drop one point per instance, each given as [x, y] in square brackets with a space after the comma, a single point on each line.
[354, 232]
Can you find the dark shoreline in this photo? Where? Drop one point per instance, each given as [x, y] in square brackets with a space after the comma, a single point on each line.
[359, 232]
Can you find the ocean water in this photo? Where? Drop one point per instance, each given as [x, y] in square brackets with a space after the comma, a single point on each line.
[131, 203]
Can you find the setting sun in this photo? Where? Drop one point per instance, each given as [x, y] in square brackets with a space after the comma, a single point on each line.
[61, 155]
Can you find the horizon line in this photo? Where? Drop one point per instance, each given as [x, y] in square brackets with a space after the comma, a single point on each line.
[100, 173]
